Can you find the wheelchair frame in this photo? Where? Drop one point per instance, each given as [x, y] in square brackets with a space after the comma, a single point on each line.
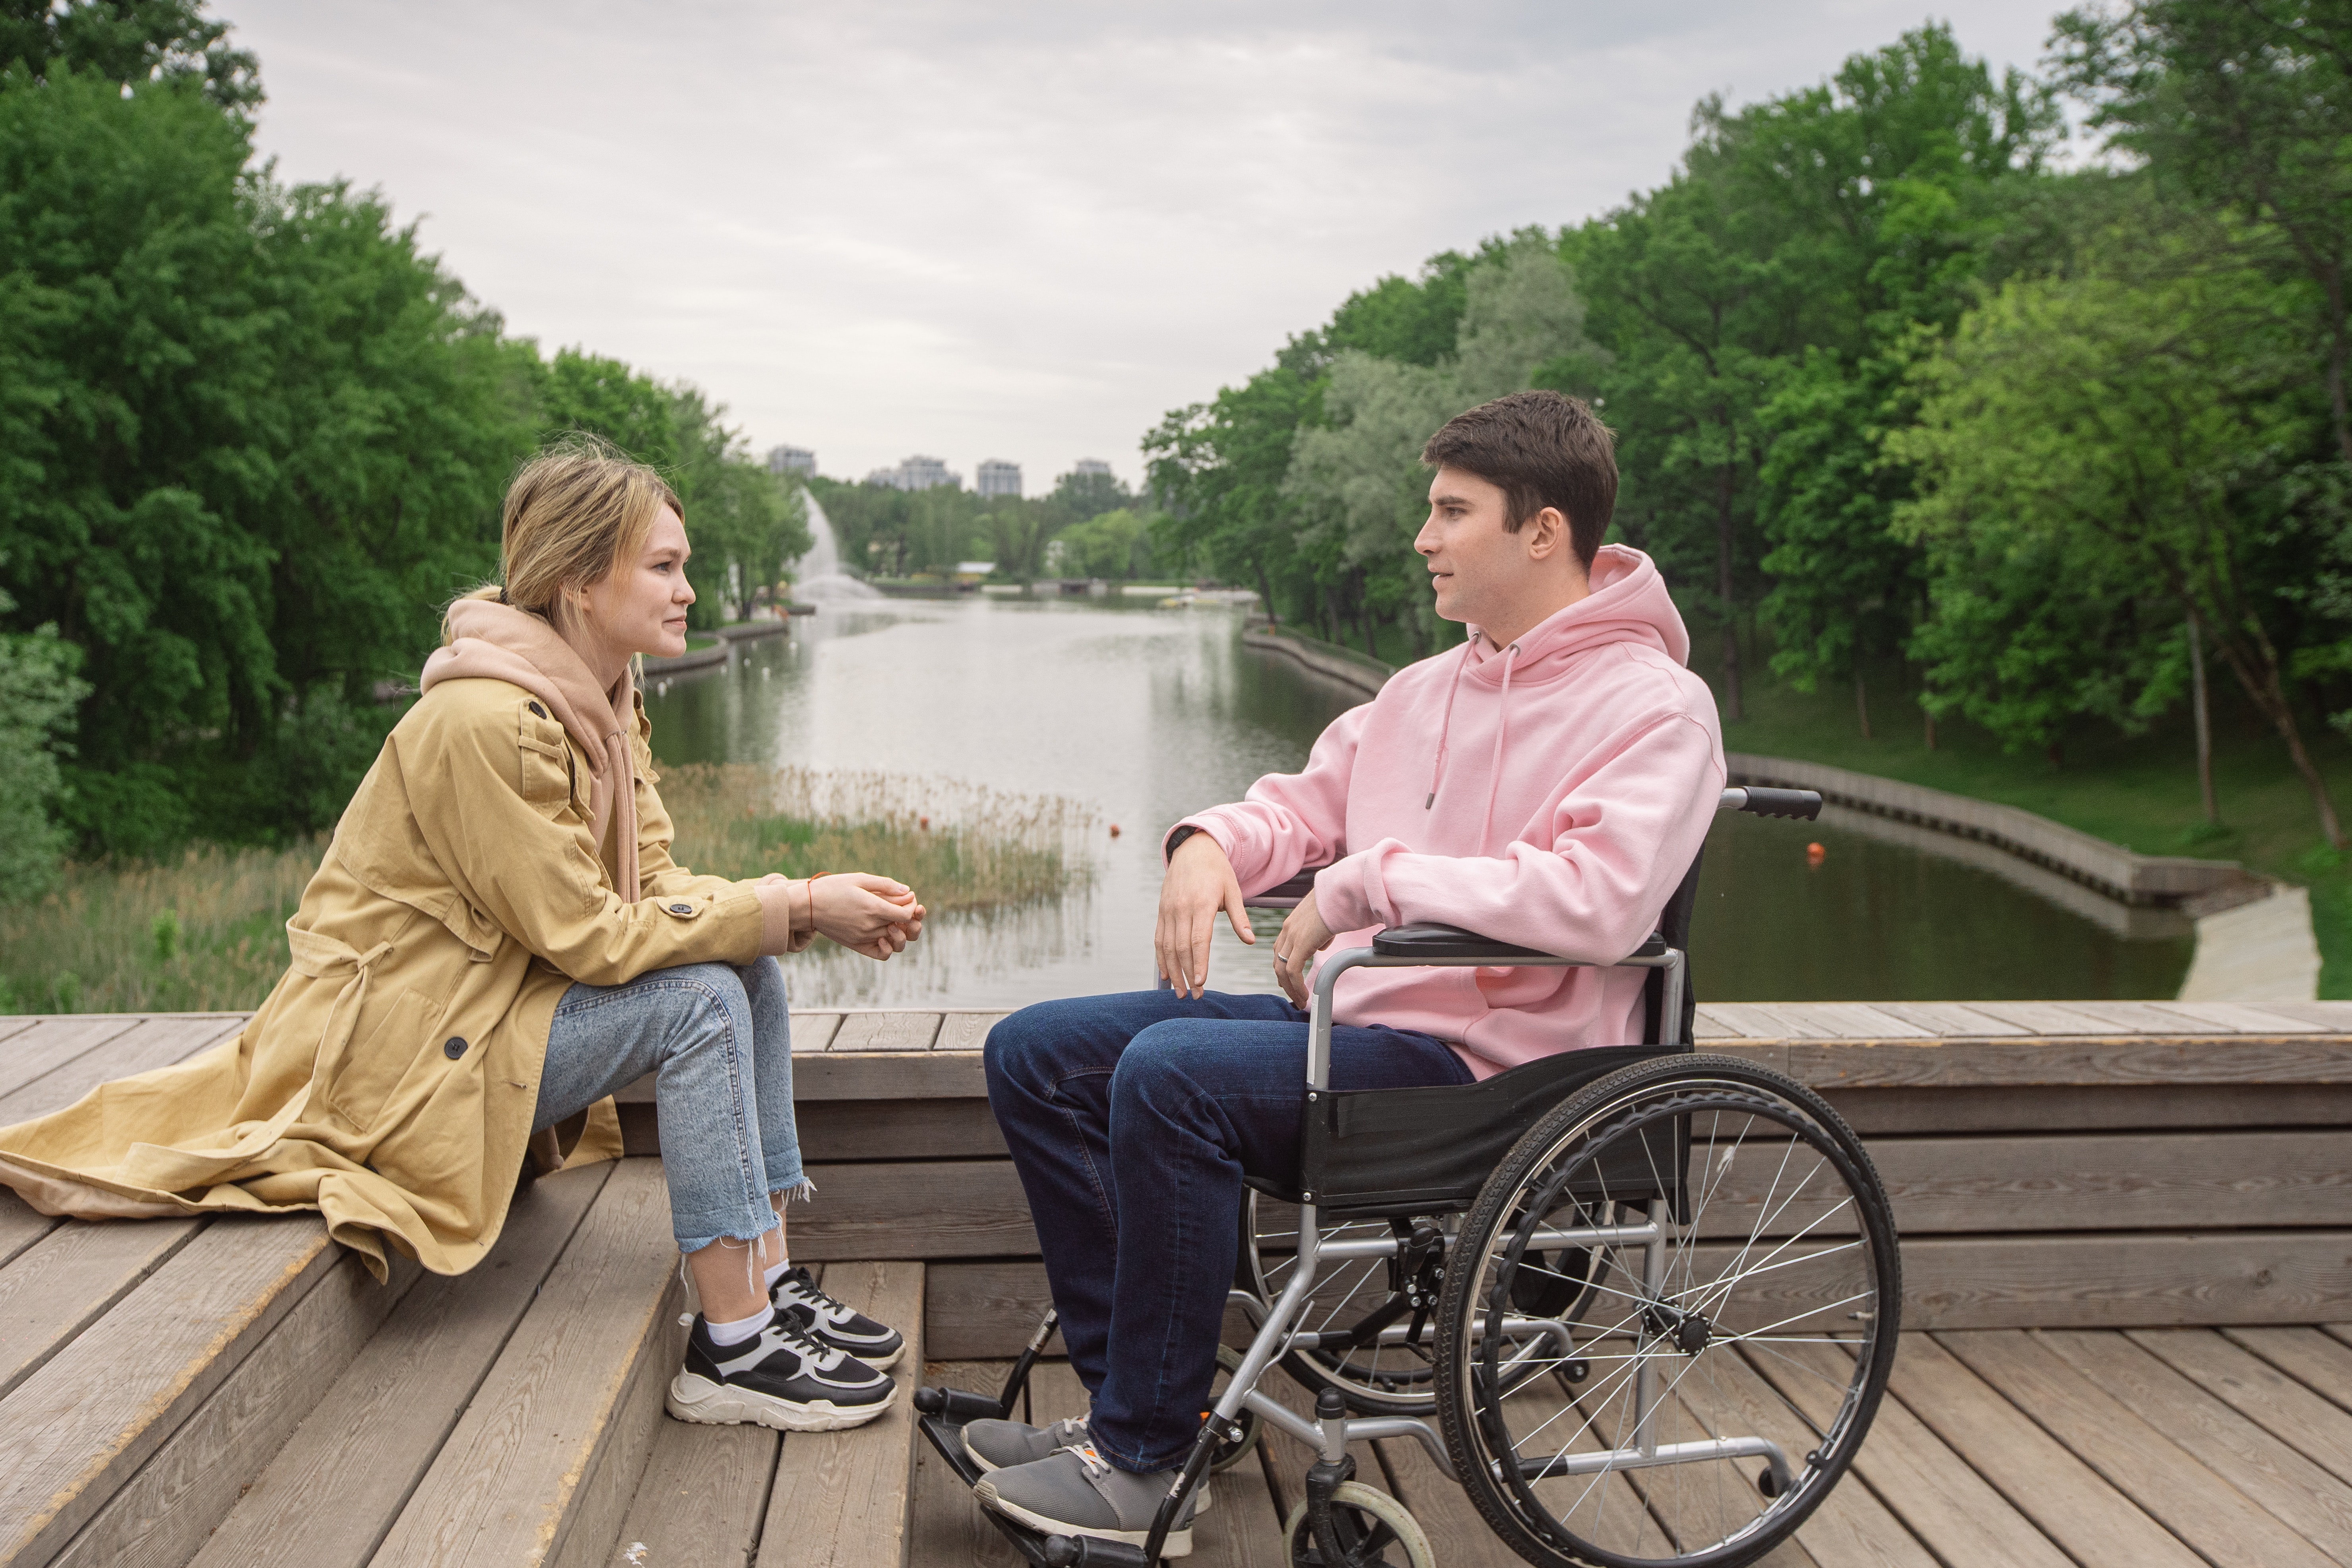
[943, 1411]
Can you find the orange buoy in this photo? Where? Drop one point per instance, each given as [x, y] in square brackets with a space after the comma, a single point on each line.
[1815, 854]
[1114, 830]
[924, 823]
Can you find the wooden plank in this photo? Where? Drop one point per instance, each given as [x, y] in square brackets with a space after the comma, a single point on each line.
[946, 1525]
[1768, 1021]
[21, 1225]
[2047, 1019]
[18, 1023]
[2134, 1456]
[1851, 1528]
[2268, 1471]
[2109, 1181]
[814, 1031]
[1950, 1019]
[526, 1467]
[704, 1494]
[889, 1075]
[890, 1031]
[2244, 1019]
[1856, 1021]
[1707, 1023]
[2135, 1279]
[842, 1500]
[370, 1438]
[983, 1310]
[66, 1282]
[966, 1031]
[861, 1130]
[2067, 1500]
[72, 1433]
[2139, 1018]
[156, 1043]
[2020, 1063]
[165, 1511]
[918, 1209]
[2335, 1017]
[2076, 1108]
[2315, 1358]
[52, 1042]
[1914, 1472]
[2281, 1404]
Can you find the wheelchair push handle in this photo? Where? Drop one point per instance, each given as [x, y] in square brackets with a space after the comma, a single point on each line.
[1757, 801]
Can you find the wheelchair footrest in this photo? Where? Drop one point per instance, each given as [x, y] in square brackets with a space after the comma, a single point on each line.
[942, 1413]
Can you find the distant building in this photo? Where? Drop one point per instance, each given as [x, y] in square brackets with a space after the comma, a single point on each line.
[997, 478]
[791, 460]
[1086, 466]
[917, 473]
[973, 571]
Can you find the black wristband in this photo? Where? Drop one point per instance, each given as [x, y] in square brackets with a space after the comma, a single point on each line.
[1175, 841]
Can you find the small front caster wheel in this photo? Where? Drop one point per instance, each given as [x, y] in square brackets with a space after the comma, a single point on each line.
[1374, 1531]
[1229, 1362]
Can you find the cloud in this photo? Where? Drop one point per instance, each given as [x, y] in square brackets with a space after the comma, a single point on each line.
[1018, 232]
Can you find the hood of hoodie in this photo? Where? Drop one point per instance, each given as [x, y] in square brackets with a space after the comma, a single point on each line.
[494, 641]
[1628, 602]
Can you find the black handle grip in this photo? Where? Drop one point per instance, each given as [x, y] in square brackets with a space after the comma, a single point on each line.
[958, 1405]
[1797, 803]
[1085, 1552]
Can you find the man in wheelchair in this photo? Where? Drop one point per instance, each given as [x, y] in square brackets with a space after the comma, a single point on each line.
[1548, 782]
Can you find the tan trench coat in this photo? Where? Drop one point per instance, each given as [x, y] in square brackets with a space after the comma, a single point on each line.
[390, 1079]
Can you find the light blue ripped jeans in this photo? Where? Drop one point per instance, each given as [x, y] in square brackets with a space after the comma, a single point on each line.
[719, 1041]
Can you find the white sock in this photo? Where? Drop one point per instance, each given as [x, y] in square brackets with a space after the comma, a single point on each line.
[776, 1271]
[742, 1329]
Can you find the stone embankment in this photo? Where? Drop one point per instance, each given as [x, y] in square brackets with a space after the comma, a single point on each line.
[723, 649]
[2255, 940]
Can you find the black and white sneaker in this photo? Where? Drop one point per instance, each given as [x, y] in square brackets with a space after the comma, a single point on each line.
[781, 1378]
[829, 1322]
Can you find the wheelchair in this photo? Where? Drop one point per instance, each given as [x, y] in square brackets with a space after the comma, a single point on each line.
[1649, 1297]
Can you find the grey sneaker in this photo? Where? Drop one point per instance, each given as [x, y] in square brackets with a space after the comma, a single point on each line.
[998, 1444]
[1076, 1491]
[1001, 1444]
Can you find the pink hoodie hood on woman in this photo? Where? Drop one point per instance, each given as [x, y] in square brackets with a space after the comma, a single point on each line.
[1552, 793]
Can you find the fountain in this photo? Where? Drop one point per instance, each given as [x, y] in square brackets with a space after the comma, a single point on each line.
[821, 576]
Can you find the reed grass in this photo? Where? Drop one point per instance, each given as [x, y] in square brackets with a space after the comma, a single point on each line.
[960, 846]
[206, 932]
[201, 933]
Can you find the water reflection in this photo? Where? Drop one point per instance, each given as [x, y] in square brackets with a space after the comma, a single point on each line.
[1147, 713]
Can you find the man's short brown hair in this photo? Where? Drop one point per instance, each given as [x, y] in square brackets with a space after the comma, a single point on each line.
[1543, 449]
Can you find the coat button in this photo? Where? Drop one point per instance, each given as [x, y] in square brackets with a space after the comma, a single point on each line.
[681, 909]
[538, 709]
[454, 1048]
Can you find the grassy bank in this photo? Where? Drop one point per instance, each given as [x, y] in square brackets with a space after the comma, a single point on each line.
[2141, 793]
[206, 932]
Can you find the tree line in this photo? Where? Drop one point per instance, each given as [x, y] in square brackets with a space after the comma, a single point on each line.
[1086, 526]
[252, 437]
[1906, 400]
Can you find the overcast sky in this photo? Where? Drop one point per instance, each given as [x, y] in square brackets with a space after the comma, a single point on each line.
[1021, 232]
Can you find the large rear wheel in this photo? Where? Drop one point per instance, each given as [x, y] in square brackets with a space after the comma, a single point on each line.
[1734, 1333]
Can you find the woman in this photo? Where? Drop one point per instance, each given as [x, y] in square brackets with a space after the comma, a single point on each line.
[496, 939]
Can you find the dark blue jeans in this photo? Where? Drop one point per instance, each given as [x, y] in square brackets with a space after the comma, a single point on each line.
[1132, 1119]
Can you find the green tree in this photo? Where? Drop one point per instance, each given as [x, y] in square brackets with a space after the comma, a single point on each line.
[2100, 458]
[38, 694]
[2242, 106]
[1114, 544]
[130, 42]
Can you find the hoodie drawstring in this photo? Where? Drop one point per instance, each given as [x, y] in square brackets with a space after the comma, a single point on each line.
[1445, 727]
[1502, 731]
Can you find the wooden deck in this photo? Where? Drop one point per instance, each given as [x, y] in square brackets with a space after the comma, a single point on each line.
[2128, 1239]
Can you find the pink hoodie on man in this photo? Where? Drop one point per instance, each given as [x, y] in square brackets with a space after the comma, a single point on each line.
[1551, 794]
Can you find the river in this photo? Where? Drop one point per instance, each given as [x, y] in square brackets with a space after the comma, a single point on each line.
[1145, 713]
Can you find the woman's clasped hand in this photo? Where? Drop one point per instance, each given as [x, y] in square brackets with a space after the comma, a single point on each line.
[864, 913]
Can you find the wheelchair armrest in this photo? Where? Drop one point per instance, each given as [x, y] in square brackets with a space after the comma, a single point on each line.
[1286, 896]
[1424, 940]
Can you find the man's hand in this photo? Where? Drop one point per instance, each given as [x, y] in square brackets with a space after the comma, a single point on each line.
[1199, 886]
[866, 913]
[1302, 936]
